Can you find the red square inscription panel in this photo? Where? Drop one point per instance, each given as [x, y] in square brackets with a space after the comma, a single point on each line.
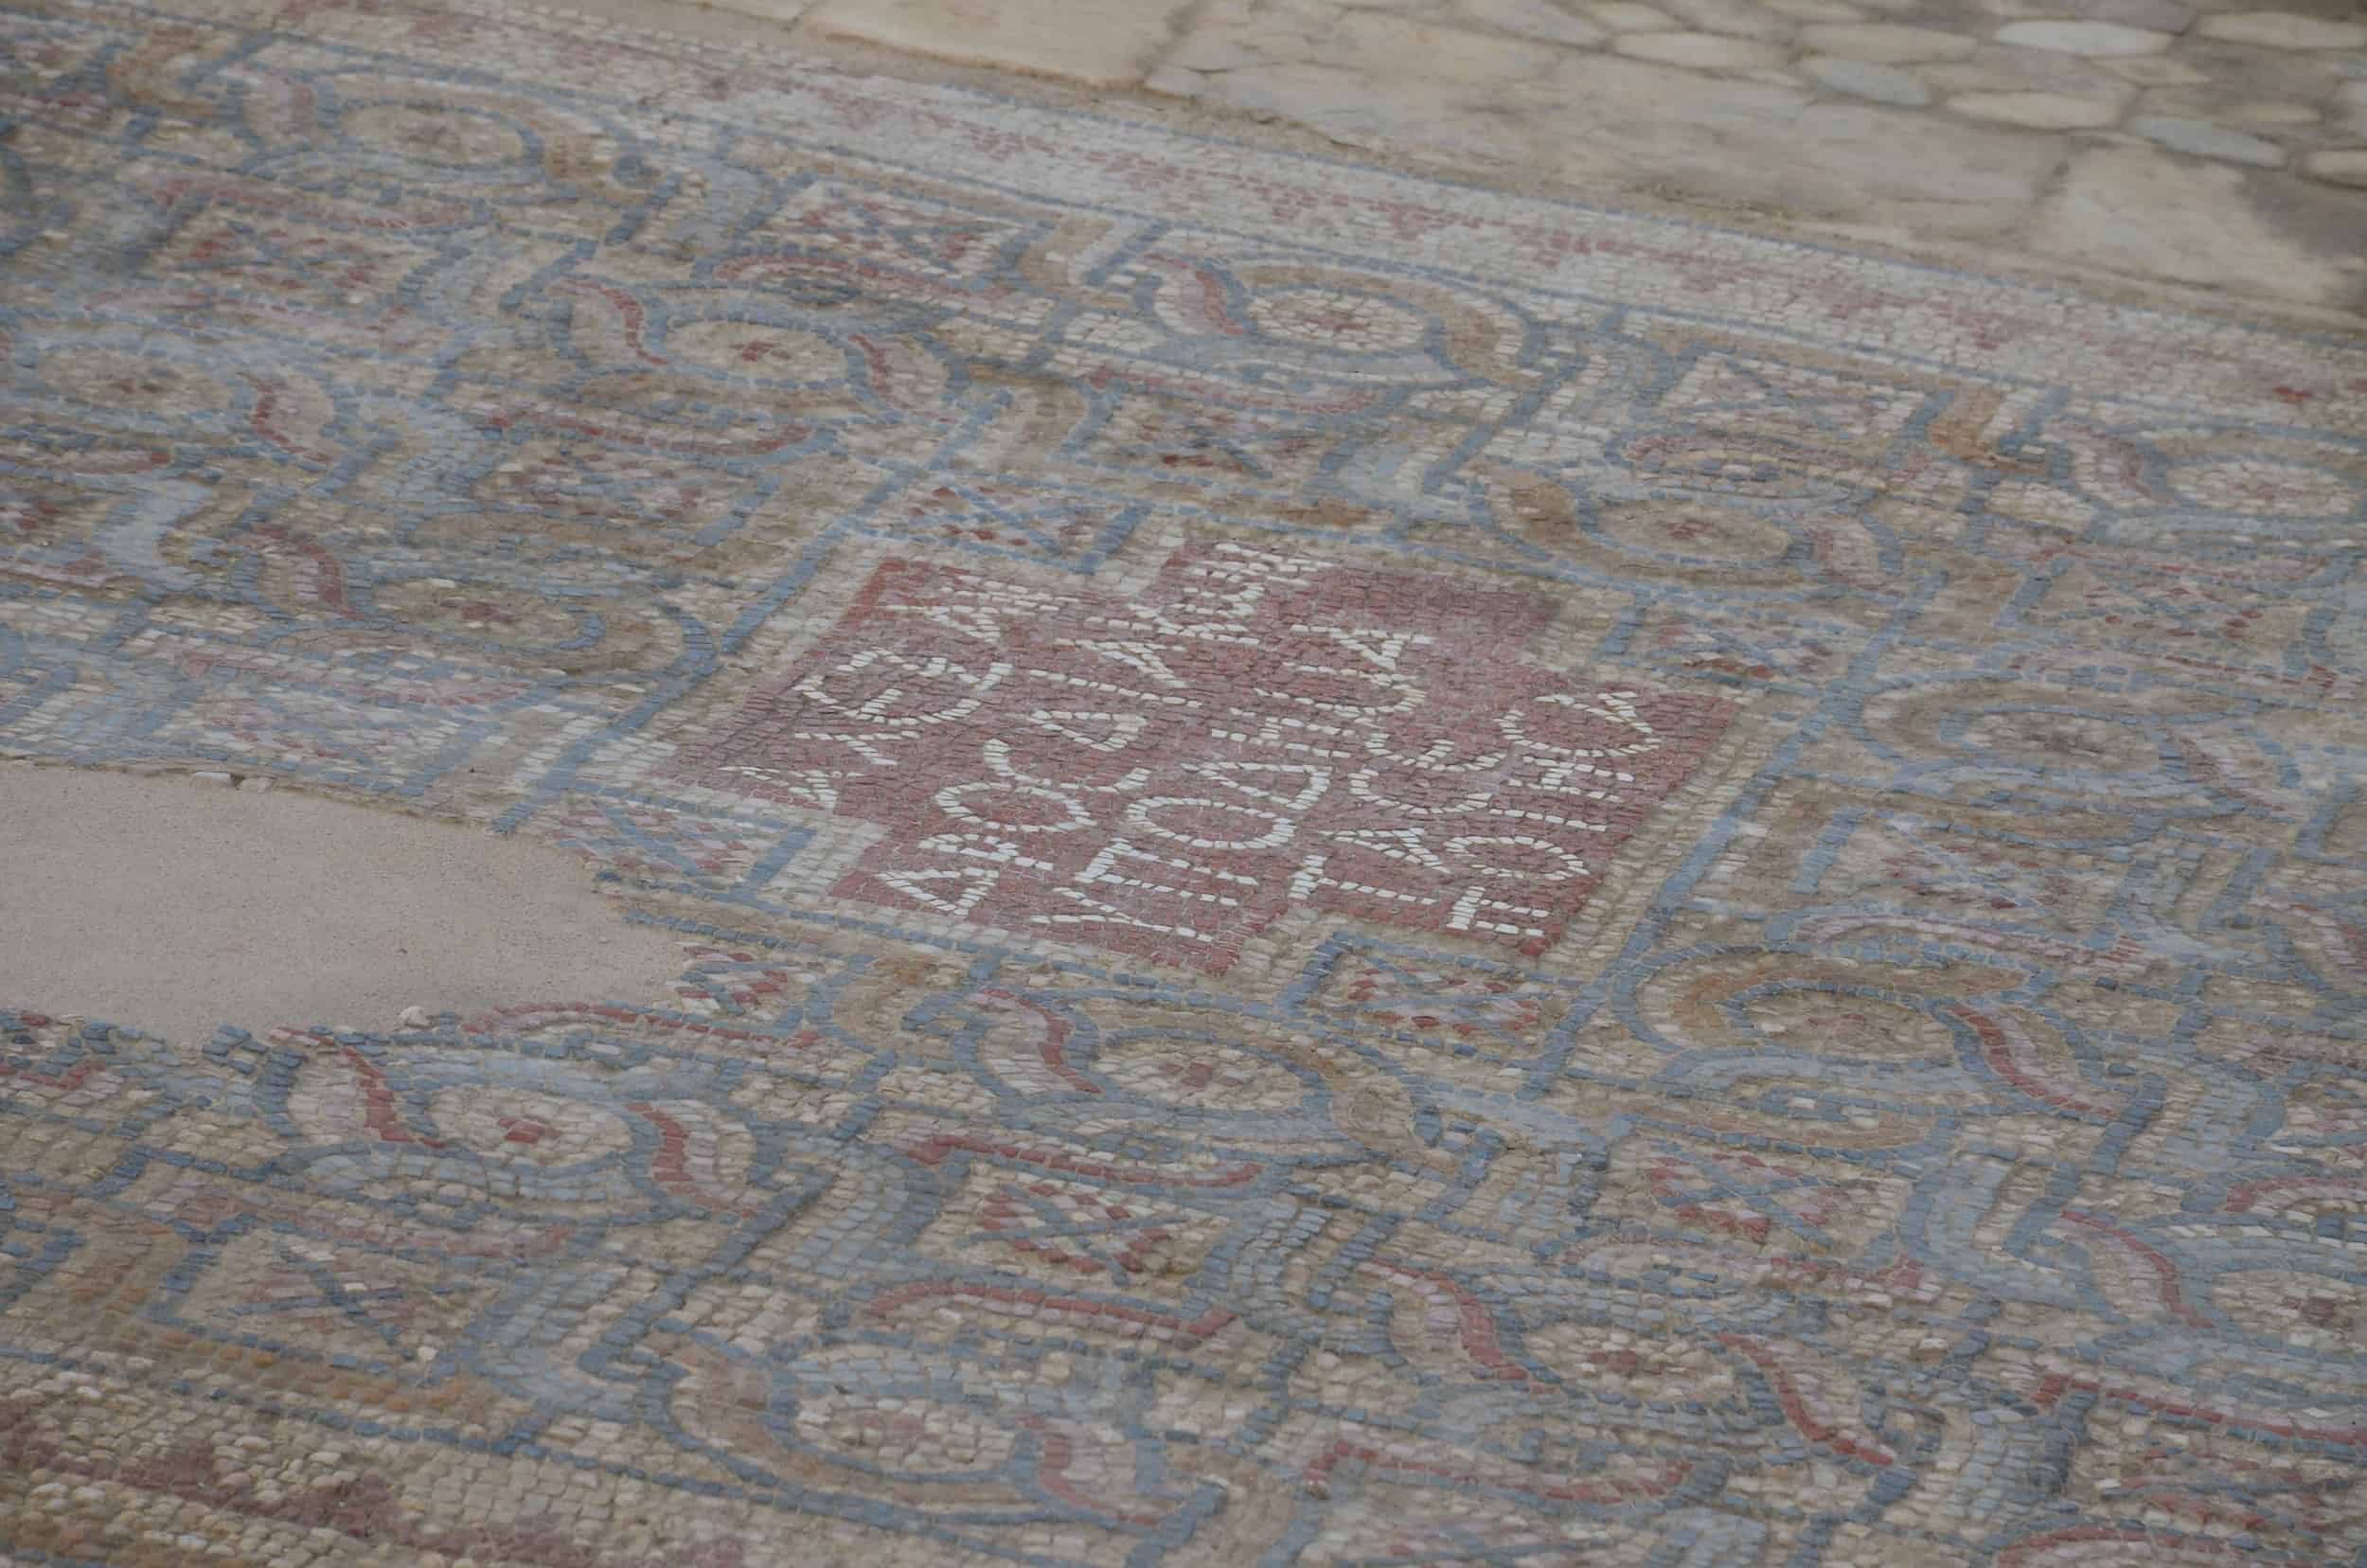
[1165, 775]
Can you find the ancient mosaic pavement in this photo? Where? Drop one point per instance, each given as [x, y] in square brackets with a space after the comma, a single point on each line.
[1370, 873]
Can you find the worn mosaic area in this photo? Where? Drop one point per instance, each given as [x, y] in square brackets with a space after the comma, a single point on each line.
[1370, 873]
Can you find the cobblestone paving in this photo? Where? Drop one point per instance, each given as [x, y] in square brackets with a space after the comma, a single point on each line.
[1372, 873]
[2221, 143]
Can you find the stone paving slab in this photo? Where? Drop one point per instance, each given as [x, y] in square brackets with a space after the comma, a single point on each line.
[2022, 128]
[1373, 870]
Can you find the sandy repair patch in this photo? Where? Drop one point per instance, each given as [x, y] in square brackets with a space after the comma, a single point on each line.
[174, 907]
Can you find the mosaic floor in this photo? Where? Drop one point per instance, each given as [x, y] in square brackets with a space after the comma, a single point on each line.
[1371, 873]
